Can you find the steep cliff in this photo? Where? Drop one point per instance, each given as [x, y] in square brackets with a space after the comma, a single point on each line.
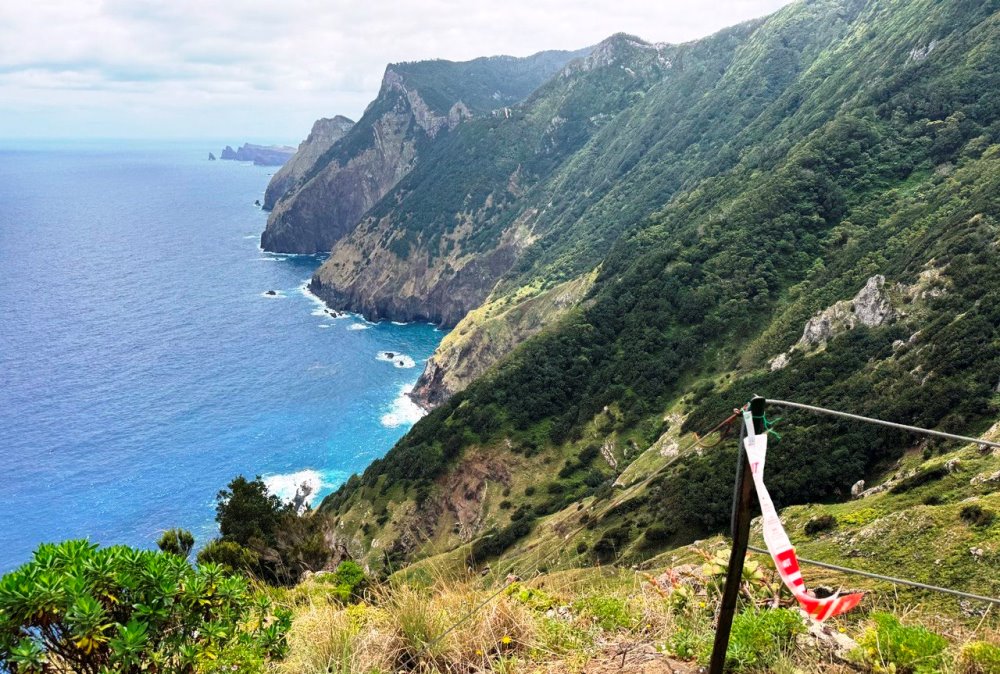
[417, 103]
[436, 246]
[325, 132]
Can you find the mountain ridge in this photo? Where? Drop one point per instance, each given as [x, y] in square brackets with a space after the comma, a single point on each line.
[356, 171]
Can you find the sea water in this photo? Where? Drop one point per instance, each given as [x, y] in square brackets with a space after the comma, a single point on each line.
[143, 363]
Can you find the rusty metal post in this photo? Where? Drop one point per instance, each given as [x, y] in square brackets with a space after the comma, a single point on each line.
[740, 528]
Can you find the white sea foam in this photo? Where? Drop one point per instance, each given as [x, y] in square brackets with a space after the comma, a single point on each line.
[399, 323]
[325, 325]
[320, 306]
[400, 360]
[358, 326]
[403, 411]
[285, 486]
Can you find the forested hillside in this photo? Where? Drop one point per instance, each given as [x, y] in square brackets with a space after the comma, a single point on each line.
[836, 150]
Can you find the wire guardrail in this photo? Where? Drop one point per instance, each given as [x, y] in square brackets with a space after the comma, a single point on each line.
[741, 521]
[881, 422]
[888, 579]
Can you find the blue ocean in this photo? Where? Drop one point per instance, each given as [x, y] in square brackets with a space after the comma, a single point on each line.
[143, 364]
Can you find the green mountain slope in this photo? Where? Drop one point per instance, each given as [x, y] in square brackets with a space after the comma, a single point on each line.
[876, 155]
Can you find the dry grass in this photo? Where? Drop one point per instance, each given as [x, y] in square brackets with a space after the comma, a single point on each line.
[406, 628]
[571, 621]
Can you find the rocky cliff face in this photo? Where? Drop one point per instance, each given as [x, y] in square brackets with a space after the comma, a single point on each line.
[325, 132]
[416, 103]
[487, 334]
[377, 152]
[364, 276]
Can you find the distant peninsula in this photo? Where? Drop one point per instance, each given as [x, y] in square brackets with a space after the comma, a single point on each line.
[261, 155]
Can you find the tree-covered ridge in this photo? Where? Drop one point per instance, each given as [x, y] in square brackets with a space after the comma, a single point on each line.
[485, 83]
[486, 164]
[877, 155]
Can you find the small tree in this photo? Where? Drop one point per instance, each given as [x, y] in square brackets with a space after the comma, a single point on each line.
[263, 536]
[177, 542]
[247, 513]
[76, 607]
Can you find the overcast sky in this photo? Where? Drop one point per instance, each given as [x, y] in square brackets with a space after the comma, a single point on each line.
[265, 69]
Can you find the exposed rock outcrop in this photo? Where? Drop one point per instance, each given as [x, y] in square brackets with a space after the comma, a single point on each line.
[261, 155]
[487, 334]
[871, 307]
[325, 132]
[364, 276]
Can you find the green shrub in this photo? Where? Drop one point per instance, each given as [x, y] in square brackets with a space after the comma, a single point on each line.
[230, 556]
[349, 580]
[890, 646]
[581, 547]
[610, 613]
[758, 638]
[534, 598]
[177, 542]
[979, 657]
[496, 541]
[658, 532]
[123, 610]
[819, 524]
[919, 479]
[610, 545]
[975, 515]
[265, 537]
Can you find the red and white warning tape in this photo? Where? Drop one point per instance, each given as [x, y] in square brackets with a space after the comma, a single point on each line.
[777, 540]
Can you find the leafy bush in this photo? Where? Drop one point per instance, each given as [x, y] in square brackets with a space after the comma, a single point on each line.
[349, 580]
[78, 607]
[610, 545]
[758, 638]
[496, 541]
[609, 612]
[659, 532]
[975, 515]
[979, 657]
[890, 646]
[229, 555]
[263, 536]
[819, 524]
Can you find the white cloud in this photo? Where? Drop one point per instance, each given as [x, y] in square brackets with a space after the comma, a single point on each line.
[265, 68]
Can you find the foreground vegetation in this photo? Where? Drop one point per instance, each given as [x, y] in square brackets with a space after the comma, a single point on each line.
[608, 619]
